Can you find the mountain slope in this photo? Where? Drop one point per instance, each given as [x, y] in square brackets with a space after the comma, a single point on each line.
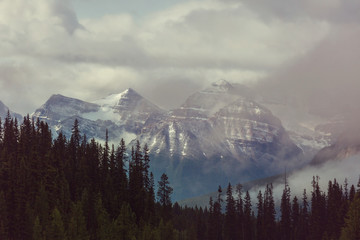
[123, 114]
[217, 136]
[347, 145]
[4, 111]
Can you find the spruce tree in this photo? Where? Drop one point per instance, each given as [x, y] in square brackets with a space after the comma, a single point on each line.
[125, 224]
[230, 216]
[285, 208]
[303, 232]
[318, 211]
[77, 225]
[351, 229]
[4, 233]
[164, 196]
[136, 182]
[57, 229]
[240, 212]
[260, 218]
[295, 218]
[248, 230]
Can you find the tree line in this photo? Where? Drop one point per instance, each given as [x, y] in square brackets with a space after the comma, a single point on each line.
[327, 215]
[78, 189]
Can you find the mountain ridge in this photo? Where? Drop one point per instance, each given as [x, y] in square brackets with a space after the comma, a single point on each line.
[219, 134]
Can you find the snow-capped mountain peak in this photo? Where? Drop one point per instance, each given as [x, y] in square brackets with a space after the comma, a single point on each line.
[221, 85]
[117, 98]
[59, 106]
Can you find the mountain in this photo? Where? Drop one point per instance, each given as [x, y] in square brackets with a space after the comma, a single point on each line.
[347, 145]
[4, 111]
[123, 114]
[217, 135]
[308, 130]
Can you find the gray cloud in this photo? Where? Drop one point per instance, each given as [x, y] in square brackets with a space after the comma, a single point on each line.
[187, 45]
[326, 80]
[300, 180]
[335, 11]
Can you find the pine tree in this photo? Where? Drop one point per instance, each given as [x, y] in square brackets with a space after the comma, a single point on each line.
[72, 163]
[351, 229]
[240, 212]
[103, 223]
[269, 213]
[4, 233]
[285, 208]
[38, 233]
[211, 221]
[57, 230]
[295, 218]
[260, 218]
[318, 211]
[334, 212]
[164, 196]
[125, 224]
[248, 231]
[121, 181]
[77, 225]
[230, 215]
[136, 182]
[352, 193]
[303, 232]
[42, 209]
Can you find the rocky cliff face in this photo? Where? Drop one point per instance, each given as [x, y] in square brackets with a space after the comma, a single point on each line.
[221, 136]
[216, 136]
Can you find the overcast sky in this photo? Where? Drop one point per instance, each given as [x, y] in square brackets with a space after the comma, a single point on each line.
[167, 49]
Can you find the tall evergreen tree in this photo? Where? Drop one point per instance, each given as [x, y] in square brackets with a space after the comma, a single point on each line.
[57, 229]
[164, 196]
[136, 182]
[260, 218]
[318, 211]
[285, 208]
[218, 233]
[295, 218]
[248, 230]
[351, 229]
[230, 216]
[303, 227]
[4, 233]
[269, 213]
[77, 225]
[240, 212]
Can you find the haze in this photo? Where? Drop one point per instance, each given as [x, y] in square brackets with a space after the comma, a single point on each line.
[303, 50]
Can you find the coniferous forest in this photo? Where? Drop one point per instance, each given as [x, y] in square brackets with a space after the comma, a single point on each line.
[78, 189]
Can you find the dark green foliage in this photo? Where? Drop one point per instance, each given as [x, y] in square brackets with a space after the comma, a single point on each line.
[230, 227]
[78, 189]
[351, 229]
[285, 208]
[260, 218]
[295, 218]
[4, 233]
[248, 226]
[164, 196]
[125, 227]
[318, 211]
[57, 229]
[269, 213]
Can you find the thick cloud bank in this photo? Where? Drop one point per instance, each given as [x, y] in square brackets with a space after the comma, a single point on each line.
[46, 48]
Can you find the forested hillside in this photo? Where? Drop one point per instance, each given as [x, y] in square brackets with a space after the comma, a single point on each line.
[77, 189]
